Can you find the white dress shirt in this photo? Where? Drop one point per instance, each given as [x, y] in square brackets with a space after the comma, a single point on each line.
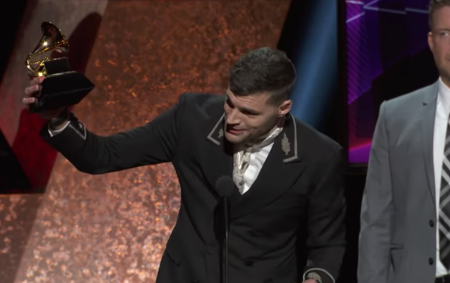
[440, 128]
[256, 162]
[55, 132]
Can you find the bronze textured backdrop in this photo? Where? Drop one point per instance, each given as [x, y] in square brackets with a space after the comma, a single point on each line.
[114, 227]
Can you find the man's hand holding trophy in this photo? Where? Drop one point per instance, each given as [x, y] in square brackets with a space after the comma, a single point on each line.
[54, 85]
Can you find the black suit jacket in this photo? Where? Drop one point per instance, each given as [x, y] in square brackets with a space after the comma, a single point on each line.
[294, 210]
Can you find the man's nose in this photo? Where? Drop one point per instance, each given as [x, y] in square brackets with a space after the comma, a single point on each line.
[233, 117]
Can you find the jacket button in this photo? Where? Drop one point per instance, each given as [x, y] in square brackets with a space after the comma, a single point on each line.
[430, 261]
[249, 263]
[431, 223]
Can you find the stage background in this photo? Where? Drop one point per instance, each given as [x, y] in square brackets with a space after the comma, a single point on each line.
[76, 227]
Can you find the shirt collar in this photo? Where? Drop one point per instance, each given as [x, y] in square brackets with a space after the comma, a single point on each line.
[444, 96]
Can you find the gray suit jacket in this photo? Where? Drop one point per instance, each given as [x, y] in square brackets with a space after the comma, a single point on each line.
[398, 217]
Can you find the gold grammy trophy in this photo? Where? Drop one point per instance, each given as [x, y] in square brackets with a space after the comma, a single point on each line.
[62, 86]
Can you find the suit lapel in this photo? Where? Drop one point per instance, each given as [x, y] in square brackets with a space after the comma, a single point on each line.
[280, 170]
[428, 112]
[217, 156]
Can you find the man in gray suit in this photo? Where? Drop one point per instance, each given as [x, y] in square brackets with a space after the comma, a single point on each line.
[405, 217]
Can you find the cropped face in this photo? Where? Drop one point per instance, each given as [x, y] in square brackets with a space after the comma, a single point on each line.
[439, 41]
[249, 117]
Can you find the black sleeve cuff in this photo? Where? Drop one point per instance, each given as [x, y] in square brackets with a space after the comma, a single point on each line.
[73, 125]
[318, 274]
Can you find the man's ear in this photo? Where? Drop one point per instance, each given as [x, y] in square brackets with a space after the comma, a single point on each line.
[284, 108]
[430, 41]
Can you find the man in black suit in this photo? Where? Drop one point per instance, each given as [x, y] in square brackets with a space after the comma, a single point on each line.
[287, 209]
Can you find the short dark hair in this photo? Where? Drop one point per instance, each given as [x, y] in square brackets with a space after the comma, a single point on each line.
[263, 70]
[433, 7]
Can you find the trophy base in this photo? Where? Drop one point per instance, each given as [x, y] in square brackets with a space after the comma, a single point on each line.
[61, 89]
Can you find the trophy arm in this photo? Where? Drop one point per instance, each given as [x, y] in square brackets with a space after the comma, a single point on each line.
[42, 48]
[38, 70]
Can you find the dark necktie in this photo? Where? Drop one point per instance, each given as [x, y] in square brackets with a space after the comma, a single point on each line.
[444, 205]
